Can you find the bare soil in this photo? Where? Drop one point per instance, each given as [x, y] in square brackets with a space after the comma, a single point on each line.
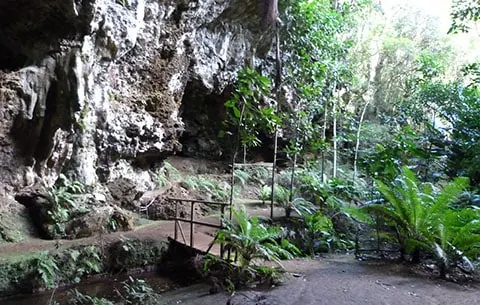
[341, 280]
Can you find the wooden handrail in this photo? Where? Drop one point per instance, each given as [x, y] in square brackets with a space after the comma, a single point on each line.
[197, 222]
[199, 201]
[193, 222]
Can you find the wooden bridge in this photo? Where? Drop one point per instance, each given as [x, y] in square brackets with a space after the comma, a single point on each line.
[190, 237]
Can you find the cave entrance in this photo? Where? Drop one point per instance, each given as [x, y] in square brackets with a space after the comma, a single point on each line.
[203, 113]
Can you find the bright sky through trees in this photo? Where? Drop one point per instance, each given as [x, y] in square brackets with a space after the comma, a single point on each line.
[436, 8]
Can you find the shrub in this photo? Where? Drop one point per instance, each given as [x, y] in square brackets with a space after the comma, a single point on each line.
[251, 239]
[264, 193]
[62, 204]
[423, 220]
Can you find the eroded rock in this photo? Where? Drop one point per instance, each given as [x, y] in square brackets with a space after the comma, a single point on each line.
[103, 96]
[96, 89]
[83, 217]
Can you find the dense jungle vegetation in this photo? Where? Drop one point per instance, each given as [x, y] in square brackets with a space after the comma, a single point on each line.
[375, 111]
[378, 112]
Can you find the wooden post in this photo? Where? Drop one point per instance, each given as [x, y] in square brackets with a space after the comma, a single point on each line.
[222, 216]
[176, 221]
[192, 205]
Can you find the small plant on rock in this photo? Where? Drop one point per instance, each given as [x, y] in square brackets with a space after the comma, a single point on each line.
[78, 298]
[241, 176]
[76, 263]
[46, 269]
[216, 190]
[166, 174]
[137, 291]
[62, 203]
[264, 193]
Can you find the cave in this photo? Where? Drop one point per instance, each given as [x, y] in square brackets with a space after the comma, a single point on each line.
[30, 29]
[203, 114]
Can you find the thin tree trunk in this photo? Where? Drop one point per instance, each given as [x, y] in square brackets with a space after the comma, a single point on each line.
[234, 158]
[278, 83]
[357, 145]
[429, 152]
[274, 168]
[244, 154]
[324, 138]
[295, 154]
[334, 111]
[292, 177]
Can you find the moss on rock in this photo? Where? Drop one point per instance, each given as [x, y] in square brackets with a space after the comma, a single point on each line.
[42, 270]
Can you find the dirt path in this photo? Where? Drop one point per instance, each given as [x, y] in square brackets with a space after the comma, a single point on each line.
[343, 281]
[338, 280]
[203, 236]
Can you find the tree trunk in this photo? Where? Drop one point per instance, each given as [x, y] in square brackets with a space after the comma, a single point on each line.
[278, 83]
[270, 12]
[234, 158]
[357, 145]
[292, 177]
[334, 112]
[324, 138]
[274, 168]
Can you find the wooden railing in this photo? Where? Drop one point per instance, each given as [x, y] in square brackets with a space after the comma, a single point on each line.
[192, 221]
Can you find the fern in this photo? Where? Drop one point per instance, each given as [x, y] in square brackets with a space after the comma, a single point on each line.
[264, 193]
[252, 239]
[424, 219]
[47, 269]
[241, 176]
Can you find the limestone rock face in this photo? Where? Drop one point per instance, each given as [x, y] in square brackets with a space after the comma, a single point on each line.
[97, 88]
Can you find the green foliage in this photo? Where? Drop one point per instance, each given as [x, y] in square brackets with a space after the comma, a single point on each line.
[219, 191]
[63, 204]
[464, 13]
[166, 174]
[314, 64]
[281, 195]
[297, 204]
[253, 240]
[124, 3]
[327, 194]
[248, 111]
[241, 176]
[384, 164]
[460, 107]
[265, 193]
[137, 291]
[46, 269]
[78, 298]
[424, 220]
[259, 174]
[234, 277]
[75, 263]
[318, 229]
